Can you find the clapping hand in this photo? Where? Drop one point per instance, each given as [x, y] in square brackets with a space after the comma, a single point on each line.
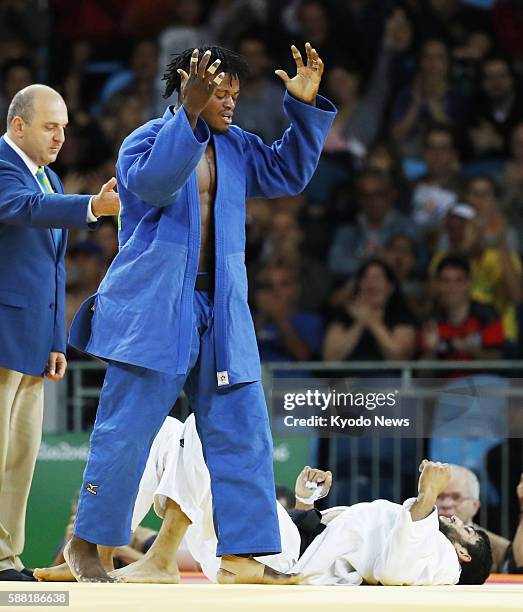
[304, 86]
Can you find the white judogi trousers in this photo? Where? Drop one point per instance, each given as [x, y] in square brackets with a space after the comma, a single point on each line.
[376, 543]
[179, 473]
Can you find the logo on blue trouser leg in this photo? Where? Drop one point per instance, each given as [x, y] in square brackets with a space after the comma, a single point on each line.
[91, 488]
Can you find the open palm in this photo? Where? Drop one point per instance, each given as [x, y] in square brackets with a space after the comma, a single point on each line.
[304, 86]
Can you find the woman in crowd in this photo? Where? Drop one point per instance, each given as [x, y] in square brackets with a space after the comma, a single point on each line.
[375, 323]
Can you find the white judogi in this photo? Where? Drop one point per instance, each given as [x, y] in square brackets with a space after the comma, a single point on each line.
[375, 542]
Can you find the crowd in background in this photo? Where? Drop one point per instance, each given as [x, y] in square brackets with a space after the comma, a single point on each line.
[407, 243]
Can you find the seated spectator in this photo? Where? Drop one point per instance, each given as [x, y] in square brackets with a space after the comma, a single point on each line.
[461, 498]
[496, 270]
[460, 328]
[106, 237]
[284, 244]
[259, 108]
[360, 113]
[429, 99]
[382, 156]
[138, 79]
[15, 74]
[375, 323]
[284, 333]
[451, 20]
[481, 193]
[438, 189]
[511, 181]
[401, 254]
[85, 269]
[467, 60]
[375, 223]
[493, 114]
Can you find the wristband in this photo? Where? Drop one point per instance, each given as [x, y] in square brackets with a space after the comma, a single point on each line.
[317, 494]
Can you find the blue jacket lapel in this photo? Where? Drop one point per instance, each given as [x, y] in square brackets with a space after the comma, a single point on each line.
[7, 153]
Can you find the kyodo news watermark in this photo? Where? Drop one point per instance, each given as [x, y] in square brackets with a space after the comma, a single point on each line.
[473, 407]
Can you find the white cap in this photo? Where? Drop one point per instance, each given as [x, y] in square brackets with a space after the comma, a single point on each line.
[464, 211]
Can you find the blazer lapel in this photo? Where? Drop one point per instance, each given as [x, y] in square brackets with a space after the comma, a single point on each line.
[7, 153]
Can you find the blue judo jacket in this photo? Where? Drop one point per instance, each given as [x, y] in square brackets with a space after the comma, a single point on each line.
[143, 311]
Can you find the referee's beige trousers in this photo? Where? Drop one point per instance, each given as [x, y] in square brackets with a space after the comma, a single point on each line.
[21, 413]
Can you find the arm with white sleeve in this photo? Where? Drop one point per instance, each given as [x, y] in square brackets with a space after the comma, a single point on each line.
[415, 552]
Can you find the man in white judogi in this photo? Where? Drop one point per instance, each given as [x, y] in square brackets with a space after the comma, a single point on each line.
[374, 543]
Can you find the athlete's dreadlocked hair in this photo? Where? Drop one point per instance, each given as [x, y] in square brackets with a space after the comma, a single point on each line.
[232, 63]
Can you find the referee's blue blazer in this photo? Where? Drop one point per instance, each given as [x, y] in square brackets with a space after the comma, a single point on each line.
[32, 273]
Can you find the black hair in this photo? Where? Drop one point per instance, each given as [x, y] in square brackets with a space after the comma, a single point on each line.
[483, 177]
[476, 571]
[18, 62]
[441, 128]
[453, 261]
[283, 492]
[396, 304]
[375, 174]
[231, 62]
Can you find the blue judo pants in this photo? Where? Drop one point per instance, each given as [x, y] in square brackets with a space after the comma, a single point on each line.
[234, 429]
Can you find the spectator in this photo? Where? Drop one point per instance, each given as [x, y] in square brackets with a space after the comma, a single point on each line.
[107, 239]
[359, 116]
[511, 181]
[429, 99]
[259, 108]
[439, 187]
[284, 333]
[317, 26]
[481, 193]
[382, 156]
[284, 245]
[467, 60]
[138, 79]
[85, 269]
[15, 75]
[460, 328]
[496, 270]
[450, 20]
[374, 324]
[493, 114]
[401, 254]
[375, 223]
[461, 498]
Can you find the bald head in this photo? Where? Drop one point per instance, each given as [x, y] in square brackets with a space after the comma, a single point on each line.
[461, 495]
[468, 480]
[23, 102]
[36, 120]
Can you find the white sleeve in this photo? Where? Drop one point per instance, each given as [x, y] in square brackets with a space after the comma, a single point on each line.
[91, 218]
[416, 553]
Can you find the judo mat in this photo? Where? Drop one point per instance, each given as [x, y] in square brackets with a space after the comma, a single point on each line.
[191, 596]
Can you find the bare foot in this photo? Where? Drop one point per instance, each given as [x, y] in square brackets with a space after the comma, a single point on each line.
[149, 570]
[58, 573]
[242, 570]
[84, 562]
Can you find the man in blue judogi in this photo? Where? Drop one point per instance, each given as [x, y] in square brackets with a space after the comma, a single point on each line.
[172, 311]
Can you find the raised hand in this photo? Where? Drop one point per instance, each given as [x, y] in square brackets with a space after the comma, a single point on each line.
[308, 474]
[434, 478]
[198, 86]
[304, 86]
